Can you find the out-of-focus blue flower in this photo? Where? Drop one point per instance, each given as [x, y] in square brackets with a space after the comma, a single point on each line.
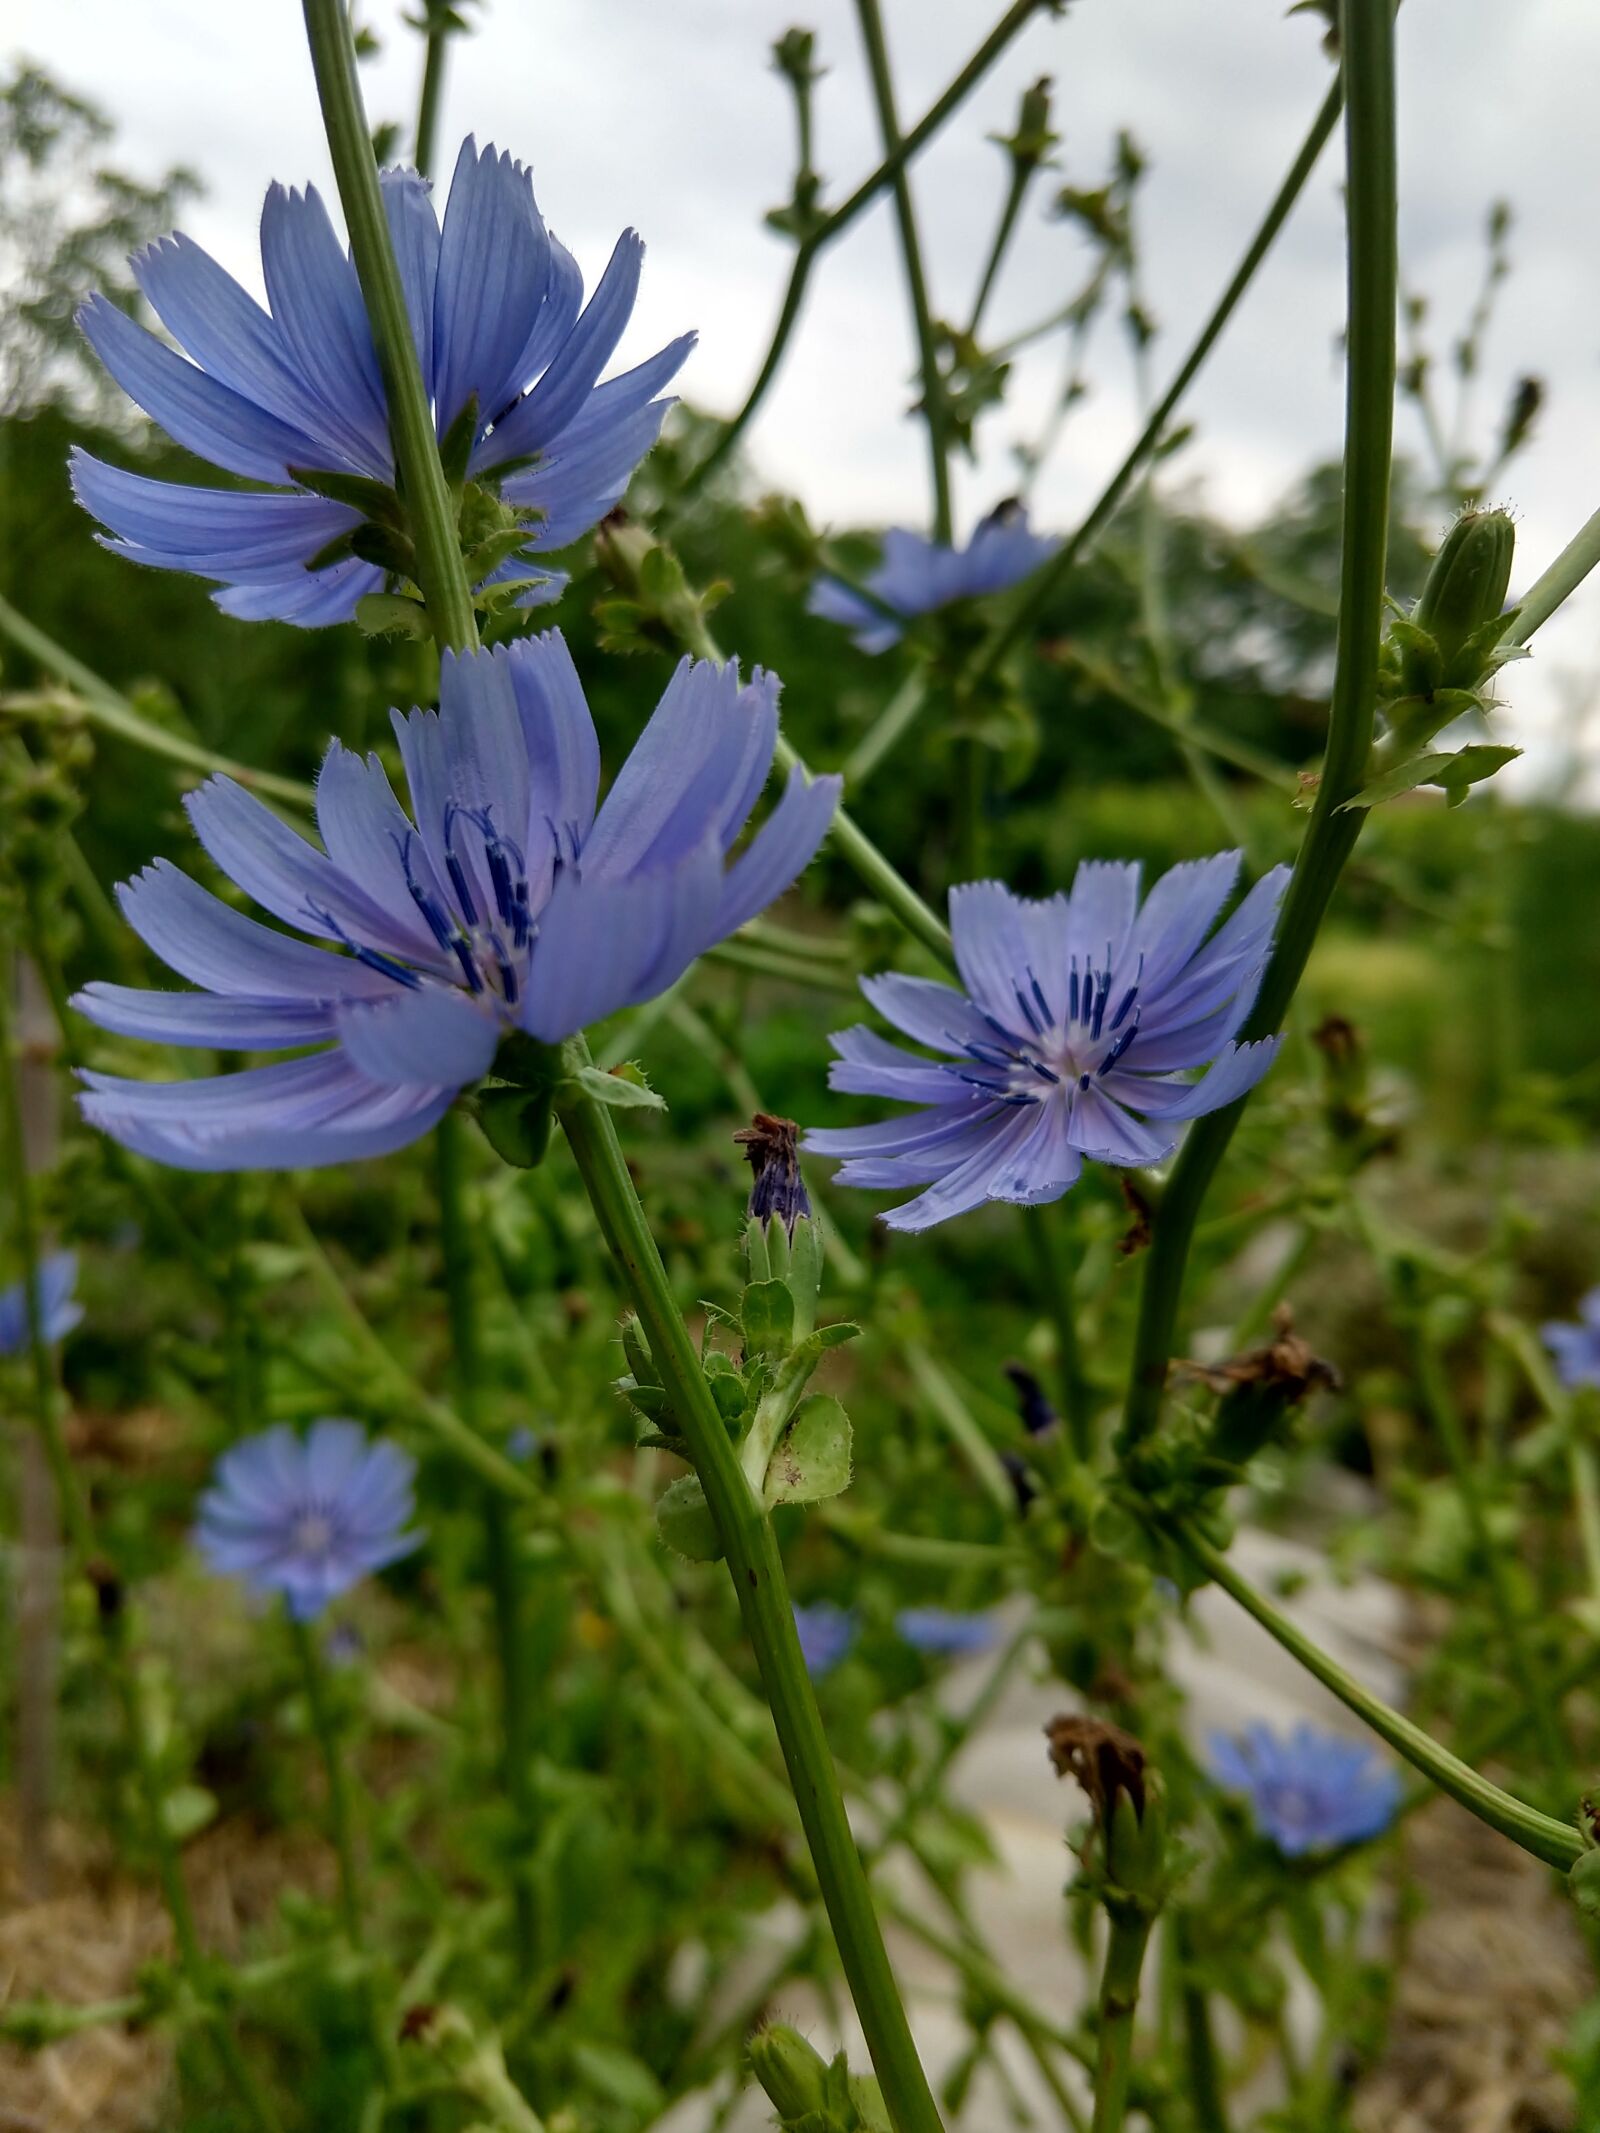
[1307, 1790]
[917, 575]
[59, 1308]
[943, 1633]
[1576, 1348]
[1079, 1020]
[826, 1632]
[307, 1516]
[510, 907]
[286, 396]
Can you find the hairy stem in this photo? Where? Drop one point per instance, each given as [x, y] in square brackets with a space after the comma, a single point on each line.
[756, 1568]
[1119, 2003]
[1557, 1843]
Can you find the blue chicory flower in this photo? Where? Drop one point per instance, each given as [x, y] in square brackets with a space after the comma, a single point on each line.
[510, 907]
[59, 1309]
[1576, 1348]
[916, 576]
[826, 1633]
[307, 1516]
[1307, 1790]
[1079, 1019]
[944, 1633]
[284, 397]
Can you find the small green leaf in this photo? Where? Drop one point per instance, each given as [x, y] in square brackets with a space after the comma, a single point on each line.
[186, 1810]
[623, 1090]
[1454, 769]
[812, 1461]
[455, 446]
[515, 1122]
[1470, 766]
[391, 615]
[767, 1316]
[684, 1521]
[373, 499]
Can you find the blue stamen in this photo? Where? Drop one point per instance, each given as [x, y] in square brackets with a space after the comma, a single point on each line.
[458, 881]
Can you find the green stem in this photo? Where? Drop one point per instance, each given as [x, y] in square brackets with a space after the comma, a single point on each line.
[841, 218]
[99, 705]
[437, 35]
[440, 572]
[895, 719]
[862, 856]
[341, 1826]
[1077, 1394]
[1367, 40]
[756, 1568]
[1202, 2067]
[455, 1238]
[82, 1539]
[1066, 558]
[1558, 583]
[934, 411]
[1557, 1843]
[1522, 1669]
[1119, 2003]
[1016, 192]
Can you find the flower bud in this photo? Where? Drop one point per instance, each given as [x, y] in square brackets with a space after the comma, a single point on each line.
[1030, 143]
[793, 2073]
[1466, 588]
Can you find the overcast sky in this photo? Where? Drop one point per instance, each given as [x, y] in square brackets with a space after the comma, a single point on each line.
[665, 114]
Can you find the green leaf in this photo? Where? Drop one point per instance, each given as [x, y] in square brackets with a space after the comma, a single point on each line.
[375, 500]
[391, 615]
[684, 1521]
[186, 1810]
[455, 446]
[767, 1315]
[812, 1461]
[1470, 766]
[515, 1122]
[624, 1089]
[1454, 769]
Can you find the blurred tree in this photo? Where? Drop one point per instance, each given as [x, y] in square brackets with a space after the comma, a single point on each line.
[67, 225]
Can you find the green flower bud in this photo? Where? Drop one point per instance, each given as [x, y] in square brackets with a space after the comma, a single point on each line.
[793, 2073]
[1466, 588]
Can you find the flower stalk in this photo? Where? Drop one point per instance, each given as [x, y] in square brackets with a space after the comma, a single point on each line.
[1557, 1843]
[440, 570]
[1367, 45]
[756, 1568]
[505, 1585]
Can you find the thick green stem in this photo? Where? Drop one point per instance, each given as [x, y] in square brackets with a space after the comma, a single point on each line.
[1119, 2003]
[455, 1238]
[341, 1824]
[1367, 42]
[1557, 1843]
[756, 1569]
[1067, 556]
[440, 572]
[934, 411]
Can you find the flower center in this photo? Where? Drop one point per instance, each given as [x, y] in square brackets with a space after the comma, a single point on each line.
[313, 1534]
[1063, 1040]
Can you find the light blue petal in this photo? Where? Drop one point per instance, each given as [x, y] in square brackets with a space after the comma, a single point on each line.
[781, 849]
[1236, 1070]
[234, 1022]
[317, 306]
[311, 600]
[414, 233]
[543, 412]
[212, 532]
[432, 1036]
[210, 945]
[933, 1013]
[494, 268]
[193, 409]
